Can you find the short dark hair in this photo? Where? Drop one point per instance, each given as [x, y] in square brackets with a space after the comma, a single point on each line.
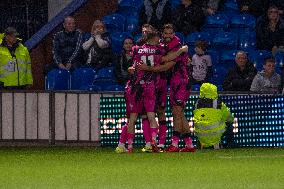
[152, 34]
[268, 60]
[168, 26]
[201, 44]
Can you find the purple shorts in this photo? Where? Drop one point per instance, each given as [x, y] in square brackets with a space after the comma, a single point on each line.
[161, 93]
[179, 91]
[146, 102]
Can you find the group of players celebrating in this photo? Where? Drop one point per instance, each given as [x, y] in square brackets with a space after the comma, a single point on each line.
[155, 62]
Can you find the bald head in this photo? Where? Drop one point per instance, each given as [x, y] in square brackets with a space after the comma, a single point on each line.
[69, 24]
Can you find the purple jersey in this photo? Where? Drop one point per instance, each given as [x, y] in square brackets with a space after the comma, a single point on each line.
[150, 55]
[180, 70]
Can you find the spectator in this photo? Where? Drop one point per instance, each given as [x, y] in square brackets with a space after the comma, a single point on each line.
[270, 30]
[201, 64]
[188, 17]
[156, 12]
[267, 80]
[280, 5]
[240, 77]
[212, 6]
[67, 53]
[15, 62]
[124, 61]
[98, 52]
[254, 7]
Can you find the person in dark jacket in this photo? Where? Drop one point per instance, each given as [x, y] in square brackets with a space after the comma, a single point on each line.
[270, 30]
[97, 49]
[124, 61]
[189, 17]
[240, 78]
[254, 7]
[156, 12]
[67, 52]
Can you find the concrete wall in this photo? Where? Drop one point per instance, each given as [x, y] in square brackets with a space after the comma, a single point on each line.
[55, 6]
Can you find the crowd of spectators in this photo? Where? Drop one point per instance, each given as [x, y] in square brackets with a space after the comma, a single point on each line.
[73, 49]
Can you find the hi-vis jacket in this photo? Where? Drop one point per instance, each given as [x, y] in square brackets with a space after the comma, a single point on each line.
[15, 68]
[210, 116]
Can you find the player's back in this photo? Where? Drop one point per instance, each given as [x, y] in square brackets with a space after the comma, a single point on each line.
[146, 54]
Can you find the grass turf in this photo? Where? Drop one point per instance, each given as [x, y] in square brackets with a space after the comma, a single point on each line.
[102, 168]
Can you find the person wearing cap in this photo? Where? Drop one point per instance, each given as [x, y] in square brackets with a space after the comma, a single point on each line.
[15, 62]
[211, 118]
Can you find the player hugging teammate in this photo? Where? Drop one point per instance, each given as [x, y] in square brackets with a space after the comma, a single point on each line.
[146, 92]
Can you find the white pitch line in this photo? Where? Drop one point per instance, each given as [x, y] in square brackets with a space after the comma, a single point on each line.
[247, 157]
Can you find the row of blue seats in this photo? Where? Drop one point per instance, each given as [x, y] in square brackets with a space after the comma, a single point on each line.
[219, 22]
[216, 40]
[86, 79]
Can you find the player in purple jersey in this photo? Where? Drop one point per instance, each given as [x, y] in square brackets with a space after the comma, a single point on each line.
[179, 93]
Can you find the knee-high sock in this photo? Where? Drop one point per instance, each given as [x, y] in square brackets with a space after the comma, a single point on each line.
[146, 130]
[187, 140]
[123, 134]
[130, 138]
[175, 138]
[162, 132]
[154, 132]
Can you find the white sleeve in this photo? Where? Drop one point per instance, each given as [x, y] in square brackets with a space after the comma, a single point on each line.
[88, 43]
[101, 43]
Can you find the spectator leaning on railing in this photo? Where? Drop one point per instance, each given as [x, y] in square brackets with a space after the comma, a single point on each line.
[240, 77]
[67, 52]
[267, 80]
[15, 62]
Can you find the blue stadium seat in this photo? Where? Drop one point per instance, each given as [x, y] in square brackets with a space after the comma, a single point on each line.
[104, 83]
[175, 3]
[82, 78]
[231, 5]
[114, 23]
[279, 59]
[228, 58]
[247, 41]
[106, 73]
[258, 57]
[115, 88]
[180, 36]
[128, 4]
[225, 40]
[217, 22]
[132, 24]
[92, 88]
[129, 7]
[117, 39]
[193, 37]
[215, 57]
[58, 79]
[195, 87]
[242, 23]
[219, 73]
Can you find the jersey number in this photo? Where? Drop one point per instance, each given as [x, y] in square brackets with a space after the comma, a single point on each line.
[149, 60]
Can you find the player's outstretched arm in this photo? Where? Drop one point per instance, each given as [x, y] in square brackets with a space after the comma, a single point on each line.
[159, 68]
[173, 55]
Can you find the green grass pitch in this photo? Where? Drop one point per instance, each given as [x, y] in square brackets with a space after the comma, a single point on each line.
[76, 167]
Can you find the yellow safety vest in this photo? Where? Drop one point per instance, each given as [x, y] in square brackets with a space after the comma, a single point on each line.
[15, 71]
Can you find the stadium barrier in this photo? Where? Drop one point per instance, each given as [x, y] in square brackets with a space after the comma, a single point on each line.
[87, 118]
